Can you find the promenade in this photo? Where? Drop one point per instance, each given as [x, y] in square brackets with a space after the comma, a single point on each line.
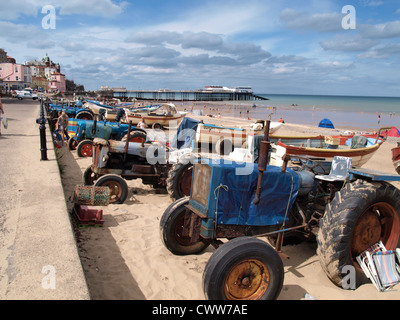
[38, 254]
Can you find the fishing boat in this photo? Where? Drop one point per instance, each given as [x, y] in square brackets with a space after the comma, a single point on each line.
[165, 115]
[396, 158]
[360, 152]
[237, 137]
[111, 115]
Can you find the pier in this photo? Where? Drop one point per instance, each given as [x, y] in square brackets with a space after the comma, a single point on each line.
[213, 94]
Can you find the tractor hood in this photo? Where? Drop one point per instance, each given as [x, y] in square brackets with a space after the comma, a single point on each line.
[230, 197]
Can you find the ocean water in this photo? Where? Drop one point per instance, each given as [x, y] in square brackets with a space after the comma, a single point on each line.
[346, 112]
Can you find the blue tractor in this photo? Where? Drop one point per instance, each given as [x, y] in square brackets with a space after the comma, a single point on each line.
[73, 110]
[347, 211]
[83, 132]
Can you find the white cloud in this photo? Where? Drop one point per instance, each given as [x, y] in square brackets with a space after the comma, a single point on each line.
[91, 7]
[348, 43]
[13, 32]
[320, 22]
[371, 3]
[381, 31]
[11, 10]
[225, 17]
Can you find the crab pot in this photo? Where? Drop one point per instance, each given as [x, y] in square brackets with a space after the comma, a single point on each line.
[92, 196]
[88, 216]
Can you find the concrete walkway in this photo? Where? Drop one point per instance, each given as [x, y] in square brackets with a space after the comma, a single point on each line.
[38, 255]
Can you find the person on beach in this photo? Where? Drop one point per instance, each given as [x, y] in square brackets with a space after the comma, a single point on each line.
[142, 124]
[62, 125]
[120, 114]
[1, 113]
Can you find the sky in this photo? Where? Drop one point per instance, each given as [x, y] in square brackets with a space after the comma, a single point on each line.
[319, 47]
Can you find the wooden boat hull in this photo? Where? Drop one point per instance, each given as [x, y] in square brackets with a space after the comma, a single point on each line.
[162, 120]
[360, 156]
[396, 159]
[211, 134]
[163, 115]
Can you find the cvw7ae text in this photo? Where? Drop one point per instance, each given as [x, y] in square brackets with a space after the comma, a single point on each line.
[202, 310]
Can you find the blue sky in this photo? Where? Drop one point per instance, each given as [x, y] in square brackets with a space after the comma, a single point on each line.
[281, 46]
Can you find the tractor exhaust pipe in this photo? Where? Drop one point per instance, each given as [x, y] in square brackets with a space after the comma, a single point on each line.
[127, 141]
[263, 161]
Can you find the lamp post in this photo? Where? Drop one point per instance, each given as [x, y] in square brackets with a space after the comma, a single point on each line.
[42, 128]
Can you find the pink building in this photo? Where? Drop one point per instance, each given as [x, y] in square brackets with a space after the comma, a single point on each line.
[12, 75]
[57, 82]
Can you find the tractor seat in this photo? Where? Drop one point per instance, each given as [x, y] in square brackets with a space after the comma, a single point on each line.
[339, 170]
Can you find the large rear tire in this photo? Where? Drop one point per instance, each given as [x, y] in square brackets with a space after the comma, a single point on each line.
[118, 188]
[84, 115]
[135, 137]
[244, 269]
[360, 215]
[171, 227]
[179, 180]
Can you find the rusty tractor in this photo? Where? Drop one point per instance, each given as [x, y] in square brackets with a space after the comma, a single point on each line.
[232, 206]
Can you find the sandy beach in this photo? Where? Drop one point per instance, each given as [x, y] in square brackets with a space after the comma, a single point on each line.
[126, 260]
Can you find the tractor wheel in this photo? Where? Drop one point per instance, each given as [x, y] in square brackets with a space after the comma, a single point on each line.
[136, 136]
[243, 269]
[89, 177]
[360, 215]
[72, 144]
[179, 180]
[118, 188]
[84, 115]
[171, 227]
[157, 126]
[224, 146]
[85, 149]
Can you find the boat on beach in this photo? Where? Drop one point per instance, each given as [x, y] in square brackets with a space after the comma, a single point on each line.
[359, 148]
[165, 115]
[396, 158]
[214, 134]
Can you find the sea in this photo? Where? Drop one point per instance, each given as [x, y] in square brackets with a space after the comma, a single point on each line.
[345, 112]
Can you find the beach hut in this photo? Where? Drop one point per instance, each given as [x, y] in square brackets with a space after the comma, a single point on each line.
[394, 132]
[326, 123]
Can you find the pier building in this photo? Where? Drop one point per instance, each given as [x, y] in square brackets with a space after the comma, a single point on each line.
[209, 93]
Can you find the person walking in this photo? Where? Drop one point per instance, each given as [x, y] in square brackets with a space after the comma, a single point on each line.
[62, 125]
[1, 113]
[142, 124]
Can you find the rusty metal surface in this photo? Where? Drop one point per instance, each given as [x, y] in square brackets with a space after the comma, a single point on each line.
[201, 183]
[98, 141]
[366, 233]
[263, 160]
[249, 279]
